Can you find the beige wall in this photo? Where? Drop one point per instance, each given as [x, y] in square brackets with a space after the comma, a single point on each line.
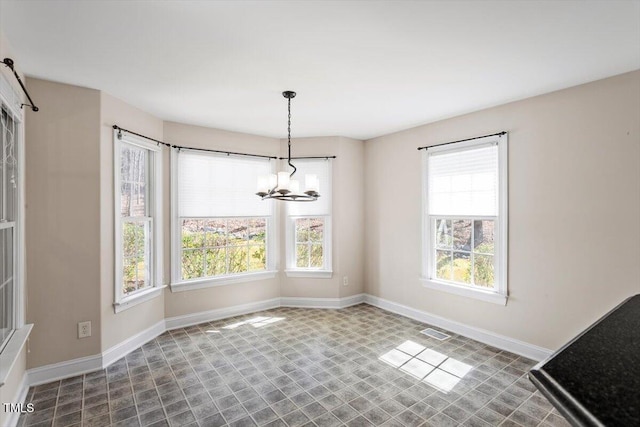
[118, 327]
[574, 209]
[181, 303]
[62, 221]
[347, 219]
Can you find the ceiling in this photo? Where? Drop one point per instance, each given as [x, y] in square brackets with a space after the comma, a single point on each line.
[361, 68]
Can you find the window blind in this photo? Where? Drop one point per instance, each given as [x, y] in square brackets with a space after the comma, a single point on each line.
[213, 185]
[322, 169]
[464, 182]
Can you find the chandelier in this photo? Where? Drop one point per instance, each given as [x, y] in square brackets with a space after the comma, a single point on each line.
[282, 186]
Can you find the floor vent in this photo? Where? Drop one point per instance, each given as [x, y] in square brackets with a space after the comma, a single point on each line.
[435, 334]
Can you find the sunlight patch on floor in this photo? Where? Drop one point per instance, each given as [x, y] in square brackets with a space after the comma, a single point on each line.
[256, 322]
[430, 366]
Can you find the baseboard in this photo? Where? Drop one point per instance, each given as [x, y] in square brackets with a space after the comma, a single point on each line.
[220, 313]
[70, 368]
[66, 369]
[127, 346]
[500, 341]
[321, 302]
[21, 395]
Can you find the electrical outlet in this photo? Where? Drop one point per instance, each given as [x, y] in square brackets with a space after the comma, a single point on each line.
[345, 281]
[84, 329]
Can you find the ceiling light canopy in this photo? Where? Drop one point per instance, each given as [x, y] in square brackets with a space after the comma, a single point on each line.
[282, 186]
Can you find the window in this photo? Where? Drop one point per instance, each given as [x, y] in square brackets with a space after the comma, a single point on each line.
[465, 218]
[222, 231]
[138, 225]
[309, 225]
[8, 230]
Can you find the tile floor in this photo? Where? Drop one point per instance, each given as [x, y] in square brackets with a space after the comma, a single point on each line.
[357, 366]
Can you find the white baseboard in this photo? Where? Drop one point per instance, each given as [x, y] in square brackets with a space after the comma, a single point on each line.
[500, 341]
[321, 302]
[220, 313]
[66, 369]
[21, 395]
[127, 346]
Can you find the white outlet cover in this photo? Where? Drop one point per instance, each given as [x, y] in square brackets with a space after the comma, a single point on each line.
[84, 329]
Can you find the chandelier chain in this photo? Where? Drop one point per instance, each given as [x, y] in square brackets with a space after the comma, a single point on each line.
[289, 137]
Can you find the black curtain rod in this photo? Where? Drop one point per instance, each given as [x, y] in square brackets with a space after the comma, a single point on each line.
[462, 140]
[312, 157]
[179, 147]
[9, 63]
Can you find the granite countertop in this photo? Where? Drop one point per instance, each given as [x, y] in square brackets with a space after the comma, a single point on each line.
[594, 380]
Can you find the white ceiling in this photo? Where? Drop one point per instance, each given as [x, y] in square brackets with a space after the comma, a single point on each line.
[361, 69]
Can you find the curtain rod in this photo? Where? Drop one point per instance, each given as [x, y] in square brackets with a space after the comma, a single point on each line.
[180, 147]
[463, 140]
[309, 157]
[9, 63]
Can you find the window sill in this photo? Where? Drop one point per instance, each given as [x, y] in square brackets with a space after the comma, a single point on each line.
[12, 350]
[137, 298]
[480, 294]
[316, 274]
[210, 282]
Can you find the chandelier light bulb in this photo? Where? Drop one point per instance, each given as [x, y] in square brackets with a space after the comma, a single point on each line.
[283, 182]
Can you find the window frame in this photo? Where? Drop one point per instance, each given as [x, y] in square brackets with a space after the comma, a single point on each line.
[12, 348]
[16, 225]
[154, 219]
[499, 295]
[177, 283]
[292, 269]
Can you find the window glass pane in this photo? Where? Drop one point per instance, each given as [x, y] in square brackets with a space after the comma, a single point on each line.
[443, 265]
[316, 229]
[135, 241]
[462, 234]
[257, 258]
[192, 264]
[133, 178]
[221, 246]
[302, 230]
[258, 230]
[237, 231]
[6, 285]
[316, 260]
[216, 260]
[215, 232]
[129, 275]
[302, 255]
[483, 271]
[443, 233]
[8, 169]
[461, 267]
[483, 235]
[238, 259]
[192, 233]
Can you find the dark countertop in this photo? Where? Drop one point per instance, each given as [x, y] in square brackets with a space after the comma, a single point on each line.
[594, 380]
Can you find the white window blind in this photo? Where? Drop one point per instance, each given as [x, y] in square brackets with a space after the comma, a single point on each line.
[463, 183]
[322, 169]
[212, 185]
